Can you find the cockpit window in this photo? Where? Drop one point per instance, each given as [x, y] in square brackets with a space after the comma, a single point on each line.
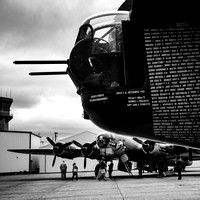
[106, 30]
[107, 39]
[100, 18]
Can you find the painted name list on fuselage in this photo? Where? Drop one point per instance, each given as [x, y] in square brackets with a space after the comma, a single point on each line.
[173, 62]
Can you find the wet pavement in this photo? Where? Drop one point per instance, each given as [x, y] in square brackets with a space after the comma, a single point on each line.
[122, 186]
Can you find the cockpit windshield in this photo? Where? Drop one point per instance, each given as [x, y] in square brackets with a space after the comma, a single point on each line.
[106, 29]
[100, 18]
[97, 57]
[107, 39]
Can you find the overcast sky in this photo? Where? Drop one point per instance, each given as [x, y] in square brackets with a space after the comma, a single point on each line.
[44, 29]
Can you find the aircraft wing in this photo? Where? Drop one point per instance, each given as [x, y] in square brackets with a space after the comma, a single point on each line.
[69, 153]
[64, 150]
[33, 151]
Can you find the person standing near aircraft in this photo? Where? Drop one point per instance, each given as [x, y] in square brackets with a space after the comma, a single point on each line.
[179, 167]
[63, 170]
[102, 170]
[140, 168]
[110, 169]
[74, 171]
[161, 168]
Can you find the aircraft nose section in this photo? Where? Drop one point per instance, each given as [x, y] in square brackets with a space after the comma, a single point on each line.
[96, 61]
[78, 62]
[103, 141]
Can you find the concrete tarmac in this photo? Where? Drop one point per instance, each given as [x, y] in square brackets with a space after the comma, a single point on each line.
[122, 186]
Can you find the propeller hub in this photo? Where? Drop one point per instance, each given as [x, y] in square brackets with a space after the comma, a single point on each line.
[87, 149]
[58, 148]
[148, 146]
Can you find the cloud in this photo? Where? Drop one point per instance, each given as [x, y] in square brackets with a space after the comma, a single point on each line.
[34, 25]
[53, 114]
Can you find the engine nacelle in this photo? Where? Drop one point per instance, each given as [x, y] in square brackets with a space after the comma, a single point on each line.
[90, 151]
[148, 146]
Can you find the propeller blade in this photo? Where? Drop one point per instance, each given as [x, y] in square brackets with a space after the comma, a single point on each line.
[77, 144]
[139, 141]
[51, 141]
[147, 145]
[54, 160]
[67, 144]
[85, 161]
[93, 143]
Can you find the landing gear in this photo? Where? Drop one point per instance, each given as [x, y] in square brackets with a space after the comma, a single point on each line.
[96, 171]
[140, 169]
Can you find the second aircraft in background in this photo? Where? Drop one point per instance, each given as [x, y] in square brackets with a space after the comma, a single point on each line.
[148, 155]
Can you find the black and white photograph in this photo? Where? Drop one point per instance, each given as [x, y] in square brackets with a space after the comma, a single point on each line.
[99, 99]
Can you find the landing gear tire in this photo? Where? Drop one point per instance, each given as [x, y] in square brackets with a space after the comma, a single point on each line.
[96, 171]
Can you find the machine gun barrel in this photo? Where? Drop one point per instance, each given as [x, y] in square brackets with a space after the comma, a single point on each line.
[40, 62]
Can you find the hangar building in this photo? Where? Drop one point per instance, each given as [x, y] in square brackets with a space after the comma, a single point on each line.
[14, 162]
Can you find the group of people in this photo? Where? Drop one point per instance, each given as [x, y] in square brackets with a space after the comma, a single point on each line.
[103, 170]
[162, 167]
[101, 173]
[63, 170]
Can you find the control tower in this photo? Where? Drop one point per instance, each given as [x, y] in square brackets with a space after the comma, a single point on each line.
[5, 115]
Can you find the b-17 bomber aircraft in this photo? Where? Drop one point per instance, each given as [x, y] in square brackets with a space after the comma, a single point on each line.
[137, 70]
[126, 149]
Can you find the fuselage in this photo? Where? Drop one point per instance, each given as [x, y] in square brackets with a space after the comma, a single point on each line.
[115, 146]
[121, 94]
